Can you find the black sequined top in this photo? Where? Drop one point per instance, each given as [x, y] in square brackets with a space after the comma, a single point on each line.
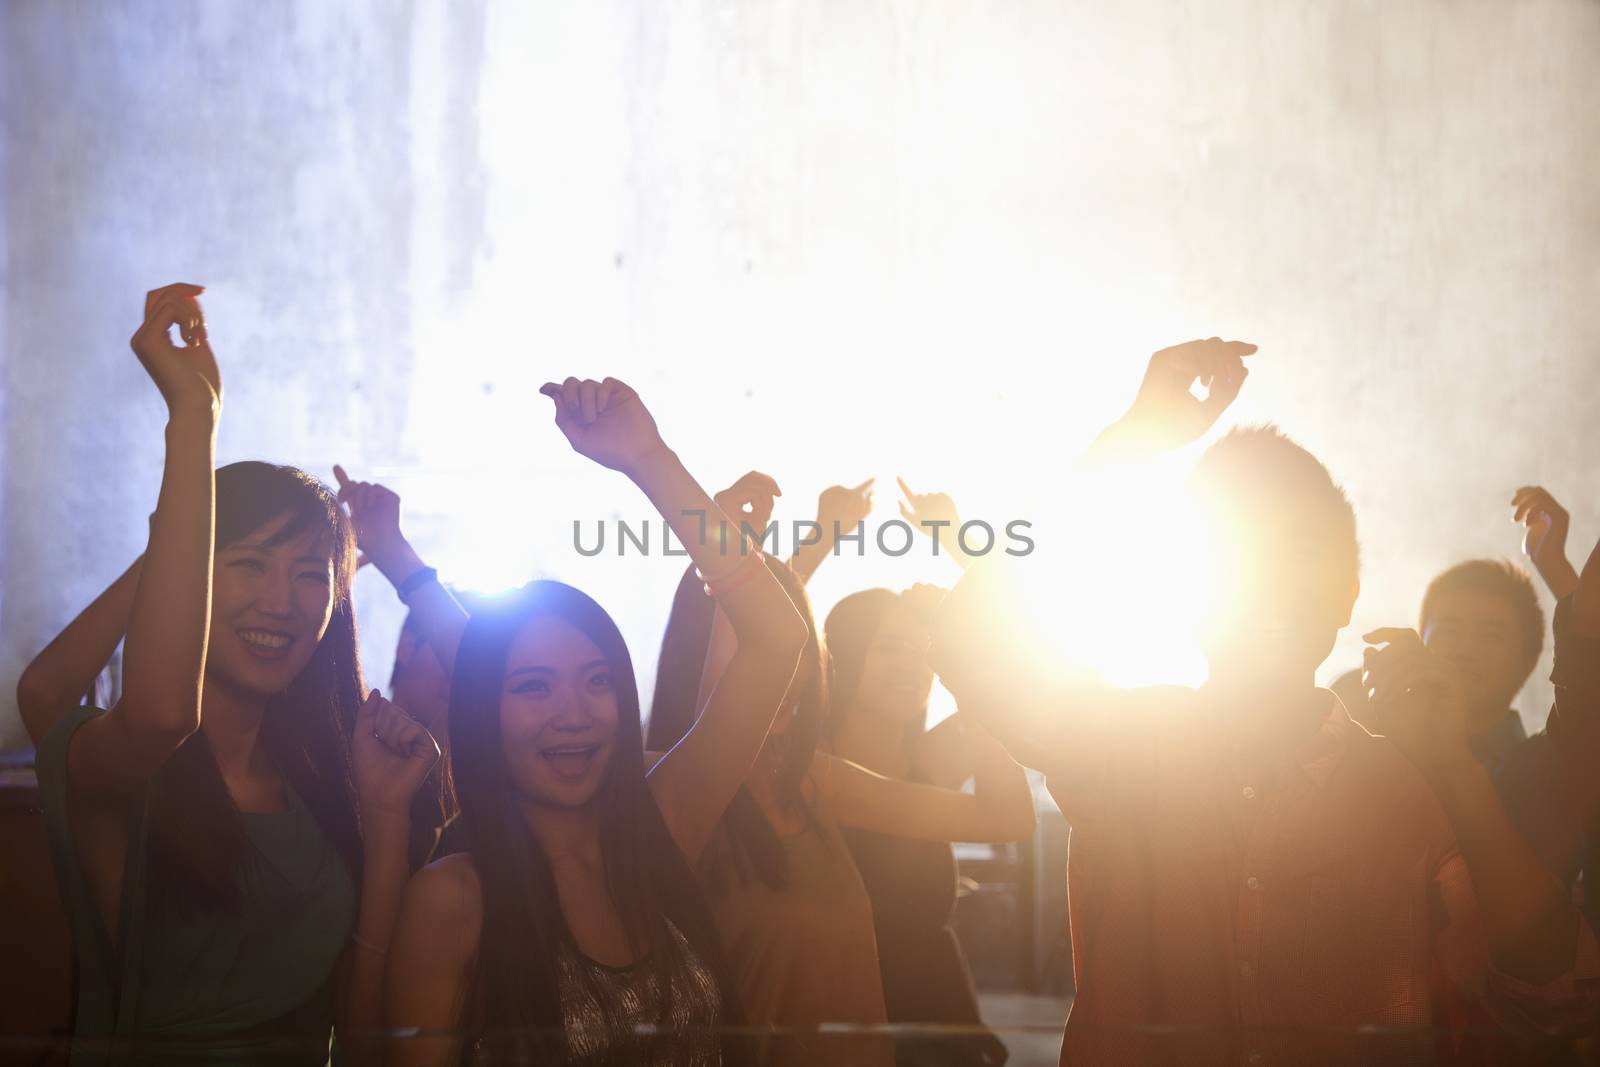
[611, 1014]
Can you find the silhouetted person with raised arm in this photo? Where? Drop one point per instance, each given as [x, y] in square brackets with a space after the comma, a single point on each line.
[1253, 877]
[794, 914]
[878, 646]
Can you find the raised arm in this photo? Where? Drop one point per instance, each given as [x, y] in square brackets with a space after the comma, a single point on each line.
[390, 756]
[61, 676]
[943, 754]
[935, 515]
[1586, 597]
[1575, 717]
[375, 513]
[1009, 683]
[1166, 414]
[748, 501]
[985, 647]
[694, 783]
[999, 809]
[839, 508]
[170, 616]
[1544, 541]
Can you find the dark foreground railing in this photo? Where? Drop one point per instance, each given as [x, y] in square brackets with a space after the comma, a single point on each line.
[1027, 1046]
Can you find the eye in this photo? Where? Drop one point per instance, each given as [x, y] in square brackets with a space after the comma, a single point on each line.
[531, 687]
[320, 577]
[249, 563]
[600, 680]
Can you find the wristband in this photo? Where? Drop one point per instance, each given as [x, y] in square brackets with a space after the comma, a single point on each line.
[738, 576]
[416, 581]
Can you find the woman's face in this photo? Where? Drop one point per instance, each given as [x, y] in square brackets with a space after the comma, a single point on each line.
[895, 677]
[558, 713]
[270, 606]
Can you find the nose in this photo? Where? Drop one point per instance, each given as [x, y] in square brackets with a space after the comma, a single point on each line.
[275, 598]
[571, 717]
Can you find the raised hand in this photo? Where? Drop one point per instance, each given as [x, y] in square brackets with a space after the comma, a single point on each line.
[186, 374]
[605, 421]
[1418, 701]
[1165, 414]
[375, 514]
[918, 508]
[750, 500]
[1544, 540]
[924, 599]
[390, 755]
[848, 506]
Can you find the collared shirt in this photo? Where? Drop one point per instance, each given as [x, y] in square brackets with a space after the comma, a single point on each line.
[1225, 912]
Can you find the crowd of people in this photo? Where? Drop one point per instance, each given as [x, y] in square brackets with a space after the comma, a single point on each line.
[265, 861]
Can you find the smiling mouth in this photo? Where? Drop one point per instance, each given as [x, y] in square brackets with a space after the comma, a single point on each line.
[571, 761]
[266, 644]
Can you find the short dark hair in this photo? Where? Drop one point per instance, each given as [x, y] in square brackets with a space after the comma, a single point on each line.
[1258, 478]
[1501, 578]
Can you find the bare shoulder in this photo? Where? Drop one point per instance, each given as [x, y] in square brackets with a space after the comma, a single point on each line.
[447, 896]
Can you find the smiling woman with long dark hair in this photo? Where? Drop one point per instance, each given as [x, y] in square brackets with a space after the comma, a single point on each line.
[571, 930]
[206, 829]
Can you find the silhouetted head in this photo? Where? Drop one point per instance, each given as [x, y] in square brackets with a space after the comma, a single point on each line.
[878, 648]
[1484, 615]
[1283, 556]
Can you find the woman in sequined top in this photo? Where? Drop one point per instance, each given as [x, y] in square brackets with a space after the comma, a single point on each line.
[572, 929]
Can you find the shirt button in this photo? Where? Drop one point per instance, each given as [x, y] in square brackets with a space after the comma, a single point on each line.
[1253, 882]
[1249, 792]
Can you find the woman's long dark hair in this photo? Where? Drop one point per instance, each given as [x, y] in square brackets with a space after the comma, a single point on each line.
[515, 1000]
[197, 840]
[754, 849]
[849, 630]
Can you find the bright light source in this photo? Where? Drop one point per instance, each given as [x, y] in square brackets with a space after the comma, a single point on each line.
[1120, 586]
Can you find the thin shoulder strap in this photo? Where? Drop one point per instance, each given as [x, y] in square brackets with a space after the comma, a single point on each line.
[108, 976]
[131, 927]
